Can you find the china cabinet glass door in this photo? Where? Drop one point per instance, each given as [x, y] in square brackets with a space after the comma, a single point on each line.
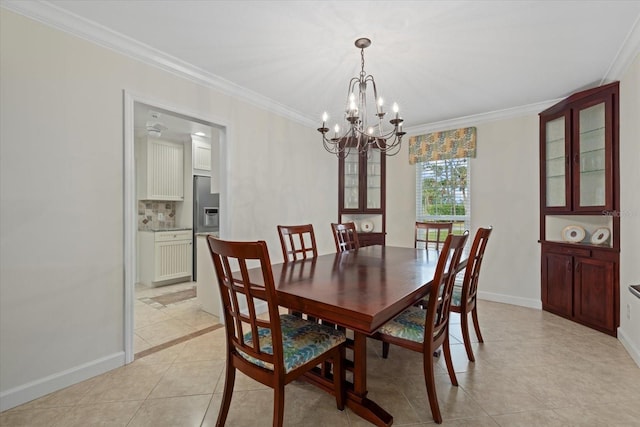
[351, 181]
[556, 165]
[374, 176]
[591, 157]
[361, 194]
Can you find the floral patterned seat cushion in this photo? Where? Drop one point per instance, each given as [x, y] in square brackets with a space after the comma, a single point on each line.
[408, 325]
[302, 341]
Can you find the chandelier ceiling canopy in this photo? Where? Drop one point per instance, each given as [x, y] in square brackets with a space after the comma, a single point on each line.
[357, 133]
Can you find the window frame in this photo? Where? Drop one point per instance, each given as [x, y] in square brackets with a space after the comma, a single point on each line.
[461, 222]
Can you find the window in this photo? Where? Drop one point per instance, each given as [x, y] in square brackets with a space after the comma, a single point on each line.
[442, 192]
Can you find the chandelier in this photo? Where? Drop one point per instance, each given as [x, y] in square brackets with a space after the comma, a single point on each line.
[359, 134]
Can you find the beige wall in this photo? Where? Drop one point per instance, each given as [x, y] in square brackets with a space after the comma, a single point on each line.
[61, 189]
[504, 194]
[61, 180]
[629, 332]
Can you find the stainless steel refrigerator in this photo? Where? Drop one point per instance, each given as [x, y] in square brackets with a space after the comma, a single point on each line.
[206, 211]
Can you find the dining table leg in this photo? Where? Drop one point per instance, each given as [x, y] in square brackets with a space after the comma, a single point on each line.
[357, 399]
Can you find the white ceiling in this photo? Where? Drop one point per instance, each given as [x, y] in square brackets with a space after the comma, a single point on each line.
[440, 60]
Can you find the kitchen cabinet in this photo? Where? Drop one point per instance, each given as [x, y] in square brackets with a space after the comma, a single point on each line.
[160, 166]
[361, 194]
[164, 256]
[201, 154]
[579, 203]
[206, 158]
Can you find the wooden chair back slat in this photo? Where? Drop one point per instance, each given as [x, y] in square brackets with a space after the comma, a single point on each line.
[431, 234]
[439, 305]
[297, 242]
[345, 236]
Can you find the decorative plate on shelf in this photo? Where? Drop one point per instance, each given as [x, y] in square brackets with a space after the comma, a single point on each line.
[366, 226]
[573, 233]
[600, 236]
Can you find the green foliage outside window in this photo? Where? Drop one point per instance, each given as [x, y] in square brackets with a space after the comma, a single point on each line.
[444, 187]
[446, 209]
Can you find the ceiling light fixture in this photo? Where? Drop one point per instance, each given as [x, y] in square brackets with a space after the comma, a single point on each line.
[359, 135]
[199, 134]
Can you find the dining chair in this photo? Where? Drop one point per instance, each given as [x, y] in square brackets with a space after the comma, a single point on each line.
[345, 236]
[425, 330]
[432, 232]
[464, 296]
[297, 241]
[273, 350]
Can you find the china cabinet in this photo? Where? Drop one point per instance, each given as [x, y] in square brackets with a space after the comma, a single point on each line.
[579, 206]
[361, 194]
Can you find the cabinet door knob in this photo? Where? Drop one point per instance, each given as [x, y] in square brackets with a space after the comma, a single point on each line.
[578, 267]
[569, 266]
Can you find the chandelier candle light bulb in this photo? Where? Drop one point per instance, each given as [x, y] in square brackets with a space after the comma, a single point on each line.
[358, 135]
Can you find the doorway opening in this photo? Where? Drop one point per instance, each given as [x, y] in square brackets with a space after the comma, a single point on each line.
[159, 313]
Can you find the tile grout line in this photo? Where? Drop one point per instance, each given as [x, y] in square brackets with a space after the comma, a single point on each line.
[176, 341]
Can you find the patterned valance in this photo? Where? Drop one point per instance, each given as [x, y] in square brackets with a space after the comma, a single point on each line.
[447, 144]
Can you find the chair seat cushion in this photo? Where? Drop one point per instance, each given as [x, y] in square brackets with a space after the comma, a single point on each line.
[302, 341]
[408, 325]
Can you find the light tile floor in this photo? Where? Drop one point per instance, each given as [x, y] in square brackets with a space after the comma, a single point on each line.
[156, 324]
[534, 369]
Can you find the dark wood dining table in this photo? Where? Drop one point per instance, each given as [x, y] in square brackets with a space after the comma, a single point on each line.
[360, 291]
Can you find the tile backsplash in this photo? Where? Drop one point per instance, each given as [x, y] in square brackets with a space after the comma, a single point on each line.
[154, 214]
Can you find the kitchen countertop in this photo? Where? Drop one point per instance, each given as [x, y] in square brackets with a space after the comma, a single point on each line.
[167, 229]
[209, 233]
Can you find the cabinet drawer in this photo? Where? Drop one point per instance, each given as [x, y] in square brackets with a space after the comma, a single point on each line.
[369, 239]
[164, 236]
[565, 250]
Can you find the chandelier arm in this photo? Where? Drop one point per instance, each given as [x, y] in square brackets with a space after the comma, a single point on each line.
[373, 83]
[352, 84]
[334, 146]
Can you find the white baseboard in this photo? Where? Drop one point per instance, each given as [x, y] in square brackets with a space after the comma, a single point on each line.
[509, 299]
[35, 389]
[633, 351]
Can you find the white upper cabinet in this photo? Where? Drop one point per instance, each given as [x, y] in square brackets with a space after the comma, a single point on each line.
[201, 154]
[206, 157]
[160, 166]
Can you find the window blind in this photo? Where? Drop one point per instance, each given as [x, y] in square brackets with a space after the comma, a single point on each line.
[443, 192]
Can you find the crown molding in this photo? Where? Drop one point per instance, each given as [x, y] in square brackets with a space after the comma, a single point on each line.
[53, 16]
[627, 53]
[476, 119]
[47, 13]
